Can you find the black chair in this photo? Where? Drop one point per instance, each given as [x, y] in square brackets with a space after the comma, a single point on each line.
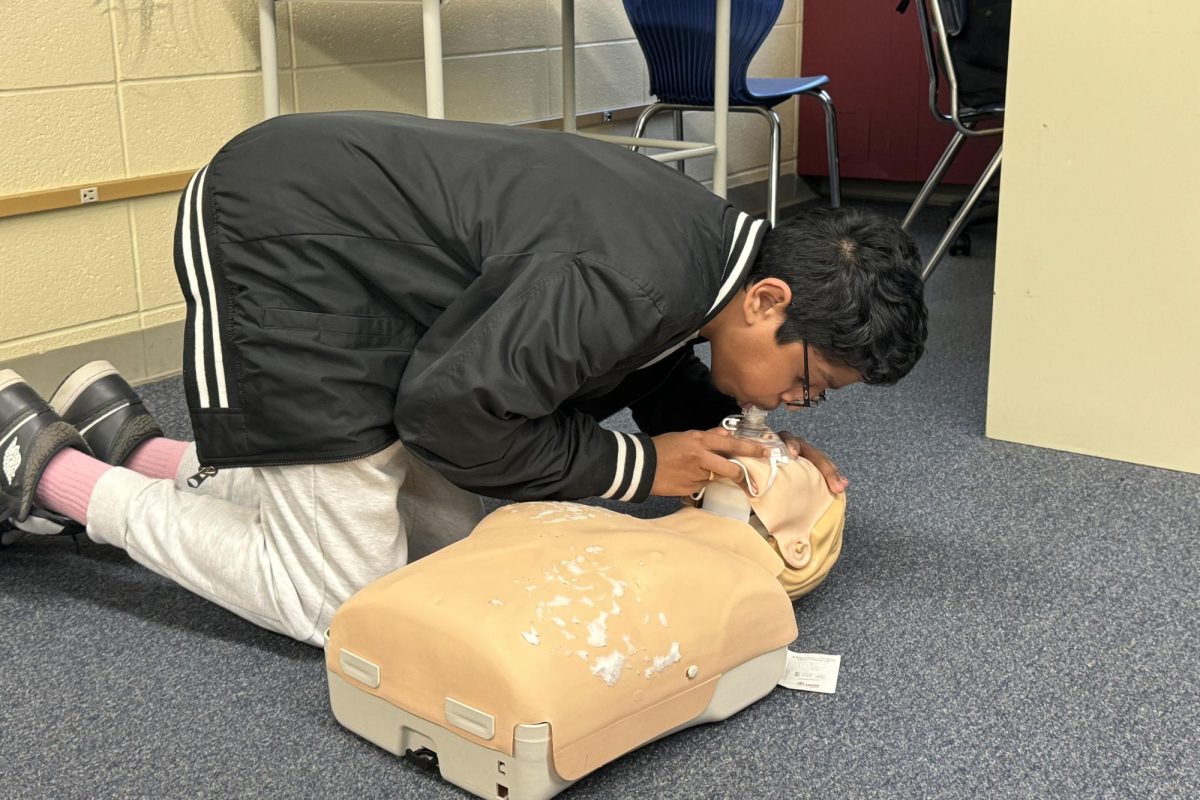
[966, 45]
[677, 37]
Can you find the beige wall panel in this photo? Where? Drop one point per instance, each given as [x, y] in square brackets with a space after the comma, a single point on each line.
[509, 87]
[68, 267]
[1095, 328]
[59, 137]
[55, 43]
[355, 33]
[790, 12]
[607, 76]
[594, 22]
[158, 39]
[154, 234]
[486, 26]
[180, 124]
[377, 87]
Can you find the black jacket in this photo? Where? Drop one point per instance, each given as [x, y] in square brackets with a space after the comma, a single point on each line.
[484, 293]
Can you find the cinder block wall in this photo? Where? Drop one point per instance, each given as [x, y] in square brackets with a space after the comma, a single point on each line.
[95, 90]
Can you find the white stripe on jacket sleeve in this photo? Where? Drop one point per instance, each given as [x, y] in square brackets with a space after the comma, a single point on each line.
[738, 274]
[639, 463]
[737, 230]
[218, 356]
[620, 470]
[197, 353]
[632, 462]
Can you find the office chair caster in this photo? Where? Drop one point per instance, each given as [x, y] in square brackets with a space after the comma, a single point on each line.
[961, 245]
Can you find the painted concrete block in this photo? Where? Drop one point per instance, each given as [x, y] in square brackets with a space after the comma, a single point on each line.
[69, 268]
[180, 124]
[777, 56]
[55, 43]
[506, 87]
[194, 37]
[791, 12]
[59, 137]
[154, 235]
[485, 26]
[607, 76]
[375, 87]
[594, 22]
[356, 33]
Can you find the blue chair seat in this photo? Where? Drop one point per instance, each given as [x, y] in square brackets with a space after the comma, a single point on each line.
[770, 92]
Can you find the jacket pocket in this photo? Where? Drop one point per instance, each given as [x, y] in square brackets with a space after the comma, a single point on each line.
[346, 330]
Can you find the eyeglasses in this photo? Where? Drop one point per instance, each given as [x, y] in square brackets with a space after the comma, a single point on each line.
[809, 401]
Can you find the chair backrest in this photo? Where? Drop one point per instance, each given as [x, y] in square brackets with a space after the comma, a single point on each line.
[967, 41]
[678, 40]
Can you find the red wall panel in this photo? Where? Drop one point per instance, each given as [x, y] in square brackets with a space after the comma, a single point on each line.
[880, 86]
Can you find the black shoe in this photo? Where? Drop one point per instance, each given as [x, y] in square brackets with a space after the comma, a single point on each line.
[30, 434]
[105, 410]
[41, 522]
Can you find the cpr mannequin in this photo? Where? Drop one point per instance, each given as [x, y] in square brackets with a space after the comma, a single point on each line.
[788, 502]
[559, 636]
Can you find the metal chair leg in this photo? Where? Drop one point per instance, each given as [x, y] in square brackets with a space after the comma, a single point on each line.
[934, 178]
[648, 113]
[678, 115]
[773, 174]
[960, 219]
[831, 145]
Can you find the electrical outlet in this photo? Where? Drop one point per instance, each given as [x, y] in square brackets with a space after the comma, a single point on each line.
[89, 195]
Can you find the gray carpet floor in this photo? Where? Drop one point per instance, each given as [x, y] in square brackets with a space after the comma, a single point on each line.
[1013, 623]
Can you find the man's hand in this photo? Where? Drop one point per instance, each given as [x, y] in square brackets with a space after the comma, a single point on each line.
[689, 459]
[802, 449]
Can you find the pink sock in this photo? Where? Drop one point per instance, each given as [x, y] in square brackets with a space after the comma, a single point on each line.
[66, 484]
[157, 458]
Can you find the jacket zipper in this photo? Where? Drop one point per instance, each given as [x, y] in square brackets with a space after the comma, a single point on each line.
[207, 472]
[200, 477]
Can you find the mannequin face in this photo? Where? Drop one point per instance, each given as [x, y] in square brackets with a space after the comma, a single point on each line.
[750, 366]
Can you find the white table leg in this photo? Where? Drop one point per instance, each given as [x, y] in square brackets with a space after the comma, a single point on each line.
[721, 100]
[270, 58]
[568, 65]
[435, 100]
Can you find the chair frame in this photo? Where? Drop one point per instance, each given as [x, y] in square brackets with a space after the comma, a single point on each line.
[937, 57]
[776, 128]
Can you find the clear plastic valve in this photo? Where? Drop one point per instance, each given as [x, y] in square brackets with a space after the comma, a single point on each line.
[752, 425]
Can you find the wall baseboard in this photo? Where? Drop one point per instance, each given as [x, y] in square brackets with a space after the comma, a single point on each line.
[142, 356]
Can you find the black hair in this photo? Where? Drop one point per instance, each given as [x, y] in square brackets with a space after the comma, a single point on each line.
[857, 294]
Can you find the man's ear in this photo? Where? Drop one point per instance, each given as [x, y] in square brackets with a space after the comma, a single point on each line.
[768, 298]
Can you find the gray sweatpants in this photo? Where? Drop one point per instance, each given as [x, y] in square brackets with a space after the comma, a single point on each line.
[283, 546]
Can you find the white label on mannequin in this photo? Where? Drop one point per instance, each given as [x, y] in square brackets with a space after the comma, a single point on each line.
[811, 672]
